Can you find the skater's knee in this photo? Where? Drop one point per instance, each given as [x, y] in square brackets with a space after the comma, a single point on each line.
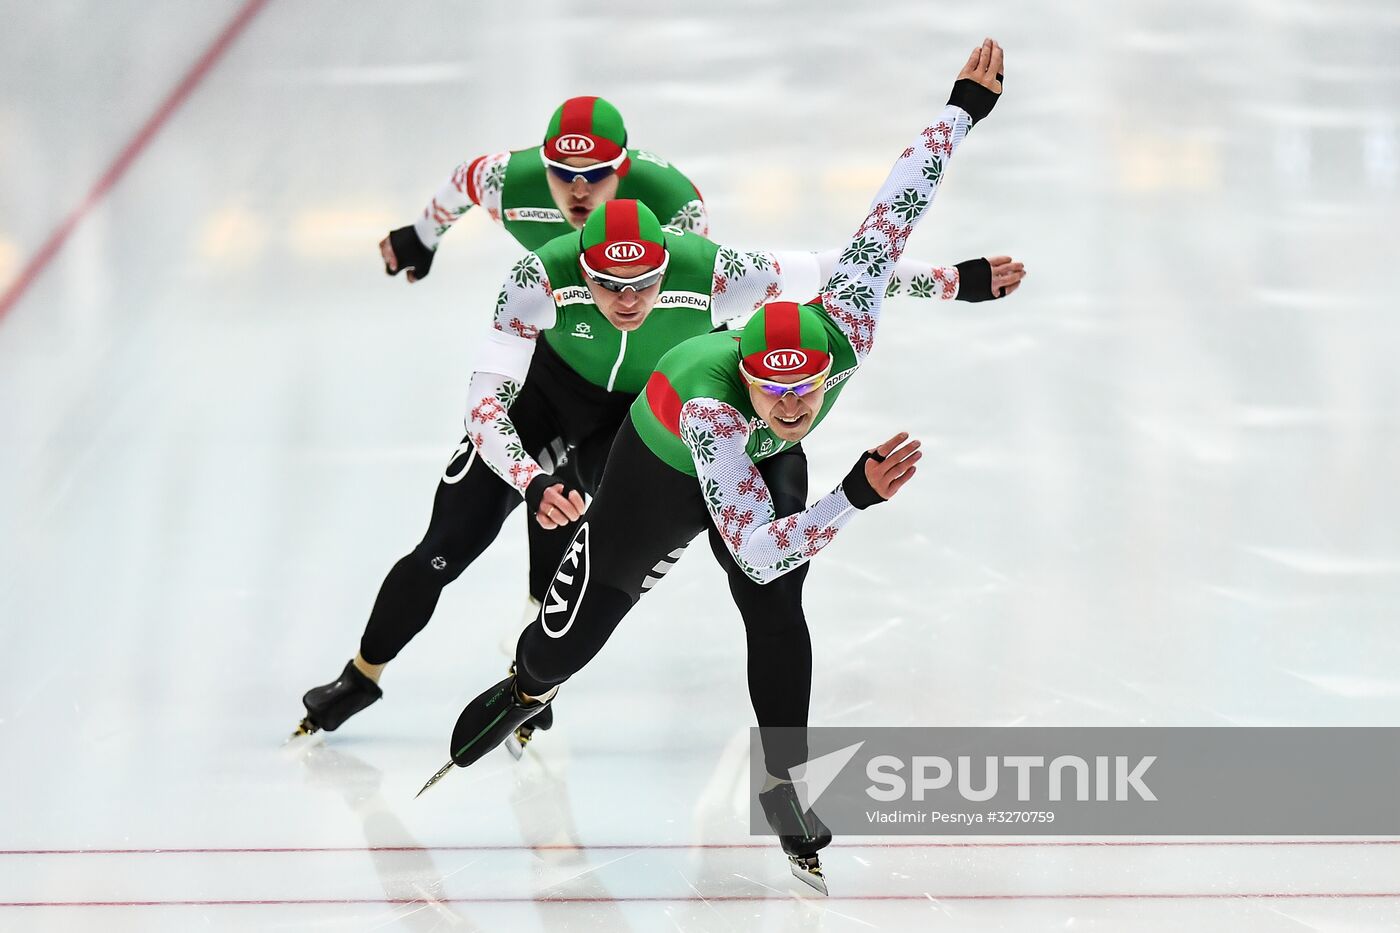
[443, 553]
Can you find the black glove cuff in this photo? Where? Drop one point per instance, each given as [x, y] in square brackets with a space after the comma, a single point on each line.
[410, 252]
[974, 280]
[857, 486]
[977, 100]
[534, 490]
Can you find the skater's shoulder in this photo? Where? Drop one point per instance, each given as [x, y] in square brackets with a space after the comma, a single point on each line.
[691, 248]
[707, 365]
[527, 158]
[563, 247]
[646, 169]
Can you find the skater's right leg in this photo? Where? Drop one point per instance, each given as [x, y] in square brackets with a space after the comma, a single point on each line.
[472, 502]
[468, 510]
[578, 459]
[644, 512]
[584, 470]
[470, 505]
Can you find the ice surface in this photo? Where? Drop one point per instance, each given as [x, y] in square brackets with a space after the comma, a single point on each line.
[1161, 483]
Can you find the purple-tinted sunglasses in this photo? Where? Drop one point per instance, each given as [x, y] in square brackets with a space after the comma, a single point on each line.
[779, 389]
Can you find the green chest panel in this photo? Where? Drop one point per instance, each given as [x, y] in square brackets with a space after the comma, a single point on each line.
[623, 361]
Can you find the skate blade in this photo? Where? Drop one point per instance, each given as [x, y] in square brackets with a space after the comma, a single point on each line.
[516, 742]
[304, 728]
[809, 872]
[442, 773]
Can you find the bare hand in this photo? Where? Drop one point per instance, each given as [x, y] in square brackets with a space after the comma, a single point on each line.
[391, 262]
[557, 510]
[1006, 275]
[889, 475]
[984, 66]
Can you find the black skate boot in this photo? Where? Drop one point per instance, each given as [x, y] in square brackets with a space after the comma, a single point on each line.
[801, 833]
[328, 706]
[486, 722]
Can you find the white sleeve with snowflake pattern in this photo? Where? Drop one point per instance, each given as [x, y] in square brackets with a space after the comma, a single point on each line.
[853, 293]
[692, 217]
[923, 280]
[477, 182]
[746, 281]
[524, 309]
[739, 502]
[910, 277]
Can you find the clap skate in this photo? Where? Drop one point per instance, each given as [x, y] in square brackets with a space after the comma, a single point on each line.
[488, 721]
[784, 812]
[330, 705]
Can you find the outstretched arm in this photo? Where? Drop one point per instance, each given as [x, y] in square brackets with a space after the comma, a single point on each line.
[716, 433]
[856, 288]
[853, 281]
[476, 182]
[970, 280]
[739, 502]
[766, 547]
[745, 281]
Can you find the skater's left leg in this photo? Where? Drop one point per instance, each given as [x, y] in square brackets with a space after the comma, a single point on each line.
[779, 645]
[780, 675]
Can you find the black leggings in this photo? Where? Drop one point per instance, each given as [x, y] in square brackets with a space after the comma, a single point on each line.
[557, 414]
[641, 519]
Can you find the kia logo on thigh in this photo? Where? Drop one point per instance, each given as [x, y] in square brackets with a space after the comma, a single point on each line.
[570, 583]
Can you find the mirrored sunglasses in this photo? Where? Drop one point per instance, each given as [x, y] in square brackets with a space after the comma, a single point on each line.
[637, 283]
[779, 389]
[591, 174]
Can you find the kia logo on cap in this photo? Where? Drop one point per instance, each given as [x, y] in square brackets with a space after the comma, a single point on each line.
[574, 144]
[626, 251]
[783, 361]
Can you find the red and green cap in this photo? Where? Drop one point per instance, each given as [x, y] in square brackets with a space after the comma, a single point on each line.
[585, 126]
[784, 339]
[622, 233]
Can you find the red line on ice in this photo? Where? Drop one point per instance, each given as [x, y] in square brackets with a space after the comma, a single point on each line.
[274, 850]
[137, 144]
[684, 898]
